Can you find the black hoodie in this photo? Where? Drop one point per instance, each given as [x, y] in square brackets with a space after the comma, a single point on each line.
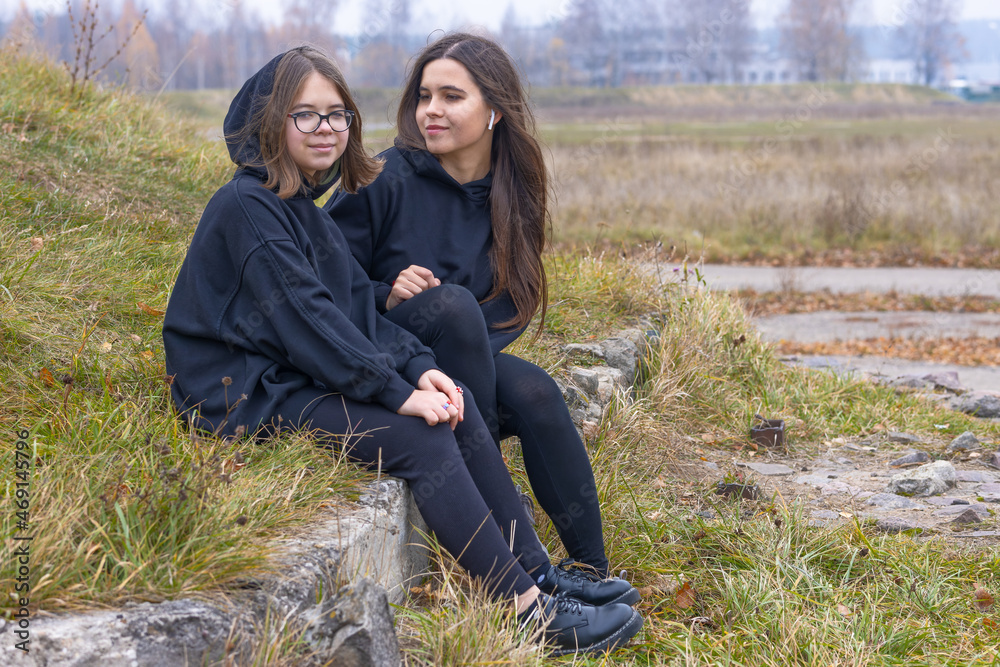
[269, 301]
[416, 213]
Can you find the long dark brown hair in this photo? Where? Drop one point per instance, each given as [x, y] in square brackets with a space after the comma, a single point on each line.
[357, 168]
[519, 195]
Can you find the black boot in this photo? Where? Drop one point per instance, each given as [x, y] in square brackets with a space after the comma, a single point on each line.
[583, 585]
[571, 626]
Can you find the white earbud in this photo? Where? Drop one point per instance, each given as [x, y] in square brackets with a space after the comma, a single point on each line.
[493, 115]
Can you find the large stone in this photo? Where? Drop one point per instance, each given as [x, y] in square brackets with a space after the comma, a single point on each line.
[355, 629]
[609, 382]
[984, 404]
[618, 353]
[927, 480]
[584, 378]
[911, 459]
[946, 380]
[964, 443]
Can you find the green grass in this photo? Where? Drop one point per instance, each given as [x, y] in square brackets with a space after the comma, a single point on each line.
[99, 201]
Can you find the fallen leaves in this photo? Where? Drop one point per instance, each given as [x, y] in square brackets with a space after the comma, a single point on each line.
[685, 596]
[978, 351]
[982, 599]
[149, 310]
[46, 375]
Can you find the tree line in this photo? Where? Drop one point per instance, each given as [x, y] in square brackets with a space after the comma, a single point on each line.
[187, 44]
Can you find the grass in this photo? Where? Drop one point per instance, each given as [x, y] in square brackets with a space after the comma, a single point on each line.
[98, 204]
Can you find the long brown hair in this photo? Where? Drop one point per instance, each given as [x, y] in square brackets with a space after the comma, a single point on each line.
[357, 168]
[519, 195]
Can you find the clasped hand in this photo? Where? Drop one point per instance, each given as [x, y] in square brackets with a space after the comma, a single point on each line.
[410, 282]
[436, 399]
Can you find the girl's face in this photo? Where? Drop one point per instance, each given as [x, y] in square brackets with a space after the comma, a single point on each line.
[451, 112]
[317, 151]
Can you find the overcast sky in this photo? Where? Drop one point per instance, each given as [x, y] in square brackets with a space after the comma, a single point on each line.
[432, 14]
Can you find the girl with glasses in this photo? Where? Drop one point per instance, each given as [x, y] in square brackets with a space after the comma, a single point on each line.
[272, 326]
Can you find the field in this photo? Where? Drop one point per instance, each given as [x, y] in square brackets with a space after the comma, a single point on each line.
[866, 175]
[97, 206]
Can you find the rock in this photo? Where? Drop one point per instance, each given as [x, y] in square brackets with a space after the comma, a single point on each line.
[622, 353]
[909, 382]
[356, 629]
[984, 404]
[975, 476]
[911, 459]
[815, 480]
[825, 515]
[928, 480]
[584, 378]
[947, 380]
[967, 517]
[905, 438]
[733, 490]
[964, 443]
[767, 469]
[981, 533]
[619, 353]
[955, 510]
[890, 501]
[893, 525]
[609, 381]
[835, 488]
[945, 501]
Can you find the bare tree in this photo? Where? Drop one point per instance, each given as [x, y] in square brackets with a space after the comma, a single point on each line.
[714, 37]
[815, 35]
[929, 36]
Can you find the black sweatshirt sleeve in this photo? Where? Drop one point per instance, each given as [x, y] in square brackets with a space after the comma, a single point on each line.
[311, 333]
[354, 214]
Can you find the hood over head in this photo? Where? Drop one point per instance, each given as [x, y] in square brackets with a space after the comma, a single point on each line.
[242, 140]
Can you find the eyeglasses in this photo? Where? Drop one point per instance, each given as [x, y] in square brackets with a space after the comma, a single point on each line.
[308, 122]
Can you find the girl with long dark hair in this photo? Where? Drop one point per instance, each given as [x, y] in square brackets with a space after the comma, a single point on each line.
[272, 326]
[451, 234]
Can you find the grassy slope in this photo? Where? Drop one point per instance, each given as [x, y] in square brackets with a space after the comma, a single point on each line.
[98, 204]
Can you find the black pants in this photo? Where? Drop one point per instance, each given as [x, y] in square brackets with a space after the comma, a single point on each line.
[458, 479]
[518, 398]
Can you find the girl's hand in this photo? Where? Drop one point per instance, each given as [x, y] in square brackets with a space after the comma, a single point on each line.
[410, 282]
[432, 405]
[435, 379]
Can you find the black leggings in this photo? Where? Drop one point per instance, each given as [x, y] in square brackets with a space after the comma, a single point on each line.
[518, 398]
[458, 479]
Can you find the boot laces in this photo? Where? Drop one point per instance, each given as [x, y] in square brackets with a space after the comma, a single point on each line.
[568, 605]
[575, 573]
